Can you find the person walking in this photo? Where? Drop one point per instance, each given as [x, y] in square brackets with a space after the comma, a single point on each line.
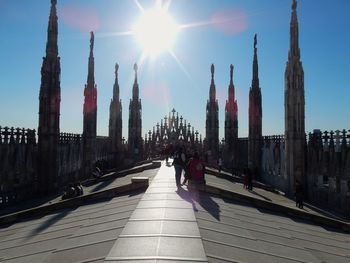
[179, 163]
[249, 175]
[220, 164]
[299, 195]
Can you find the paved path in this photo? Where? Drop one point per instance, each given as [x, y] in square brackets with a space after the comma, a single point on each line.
[163, 226]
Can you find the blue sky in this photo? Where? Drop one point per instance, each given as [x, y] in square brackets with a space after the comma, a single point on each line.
[324, 42]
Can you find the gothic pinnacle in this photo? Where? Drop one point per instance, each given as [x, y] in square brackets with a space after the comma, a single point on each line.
[231, 74]
[294, 32]
[92, 38]
[212, 69]
[135, 69]
[255, 81]
[135, 90]
[116, 85]
[52, 32]
[91, 78]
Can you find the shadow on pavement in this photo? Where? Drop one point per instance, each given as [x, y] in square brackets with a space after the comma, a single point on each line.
[264, 197]
[49, 222]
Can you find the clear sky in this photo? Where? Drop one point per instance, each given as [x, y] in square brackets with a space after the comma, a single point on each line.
[223, 35]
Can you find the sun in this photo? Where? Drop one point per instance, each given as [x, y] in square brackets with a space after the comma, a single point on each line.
[156, 31]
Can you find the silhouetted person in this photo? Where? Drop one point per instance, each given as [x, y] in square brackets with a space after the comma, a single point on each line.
[220, 164]
[196, 169]
[97, 172]
[299, 194]
[248, 173]
[179, 163]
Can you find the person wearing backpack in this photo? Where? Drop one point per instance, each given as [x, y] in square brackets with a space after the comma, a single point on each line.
[179, 163]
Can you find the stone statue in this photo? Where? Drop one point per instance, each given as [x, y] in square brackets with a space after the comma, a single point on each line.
[116, 68]
[294, 5]
[255, 41]
[91, 40]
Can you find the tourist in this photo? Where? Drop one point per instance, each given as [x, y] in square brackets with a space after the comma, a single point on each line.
[248, 174]
[220, 164]
[179, 163]
[299, 194]
[196, 169]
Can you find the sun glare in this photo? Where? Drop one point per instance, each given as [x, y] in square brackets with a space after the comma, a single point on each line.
[156, 31]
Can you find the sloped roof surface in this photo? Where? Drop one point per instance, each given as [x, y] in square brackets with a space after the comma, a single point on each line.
[236, 232]
[72, 235]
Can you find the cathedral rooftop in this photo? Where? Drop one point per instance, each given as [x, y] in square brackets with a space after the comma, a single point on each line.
[224, 223]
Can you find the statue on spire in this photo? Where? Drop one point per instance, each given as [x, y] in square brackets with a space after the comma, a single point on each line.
[91, 41]
[116, 69]
[255, 41]
[53, 2]
[231, 72]
[294, 5]
[212, 71]
[135, 68]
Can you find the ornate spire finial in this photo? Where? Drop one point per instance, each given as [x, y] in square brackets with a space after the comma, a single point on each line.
[294, 33]
[116, 69]
[135, 69]
[231, 74]
[255, 41]
[52, 32]
[91, 41]
[212, 69]
[255, 80]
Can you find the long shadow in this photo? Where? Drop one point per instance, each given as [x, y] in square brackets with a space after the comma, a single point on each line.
[264, 197]
[46, 224]
[187, 196]
[102, 184]
[207, 202]
[204, 200]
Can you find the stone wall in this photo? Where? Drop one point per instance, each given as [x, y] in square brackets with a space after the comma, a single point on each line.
[18, 153]
[18, 162]
[327, 181]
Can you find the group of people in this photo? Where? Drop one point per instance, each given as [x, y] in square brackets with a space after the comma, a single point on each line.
[191, 164]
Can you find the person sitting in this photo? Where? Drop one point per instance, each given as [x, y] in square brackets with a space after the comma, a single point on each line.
[97, 172]
[69, 192]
